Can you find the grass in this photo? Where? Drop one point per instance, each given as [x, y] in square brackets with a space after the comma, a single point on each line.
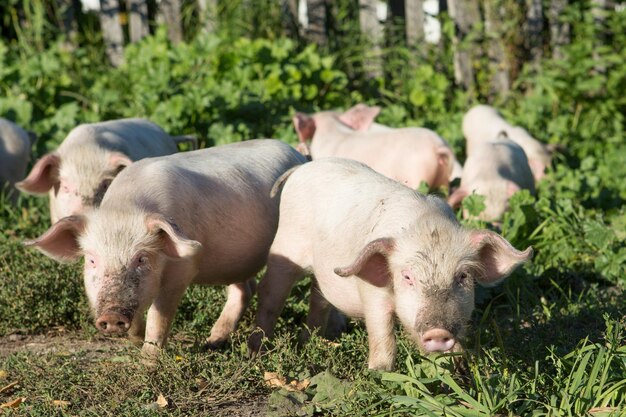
[540, 346]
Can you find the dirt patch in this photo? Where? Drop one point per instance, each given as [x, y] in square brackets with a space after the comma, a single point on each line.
[60, 342]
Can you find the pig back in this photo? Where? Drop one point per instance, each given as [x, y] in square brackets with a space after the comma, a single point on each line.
[218, 196]
[136, 138]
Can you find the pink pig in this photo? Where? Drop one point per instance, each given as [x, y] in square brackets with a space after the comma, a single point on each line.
[408, 155]
[79, 172]
[496, 169]
[15, 145]
[203, 217]
[483, 123]
[378, 250]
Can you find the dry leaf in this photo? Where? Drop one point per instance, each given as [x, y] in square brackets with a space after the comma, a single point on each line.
[273, 379]
[3, 374]
[602, 411]
[14, 403]
[161, 401]
[8, 387]
[60, 403]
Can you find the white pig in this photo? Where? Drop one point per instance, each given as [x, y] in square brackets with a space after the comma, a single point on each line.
[496, 169]
[203, 217]
[15, 146]
[379, 250]
[482, 123]
[79, 172]
[408, 155]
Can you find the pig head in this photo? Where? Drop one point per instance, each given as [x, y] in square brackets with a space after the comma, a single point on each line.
[123, 261]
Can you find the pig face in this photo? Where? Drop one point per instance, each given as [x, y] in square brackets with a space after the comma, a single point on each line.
[76, 182]
[431, 274]
[125, 256]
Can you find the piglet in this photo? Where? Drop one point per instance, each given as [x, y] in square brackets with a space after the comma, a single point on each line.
[79, 172]
[203, 217]
[15, 145]
[496, 169]
[483, 123]
[408, 155]
[378, 250]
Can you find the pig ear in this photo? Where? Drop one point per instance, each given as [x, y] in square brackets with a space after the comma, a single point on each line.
[43, 176]
[60, 242]
[371, 264]
[360, 117]
[455, 199]
[498, 258]
[118, 161]
[305, 126]
[176, 244]
[445, 158]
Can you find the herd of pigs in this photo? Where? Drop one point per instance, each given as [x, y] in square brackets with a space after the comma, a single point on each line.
[341, 207]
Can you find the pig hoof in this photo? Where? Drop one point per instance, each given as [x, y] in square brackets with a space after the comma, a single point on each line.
[215, 344]
[256, 346]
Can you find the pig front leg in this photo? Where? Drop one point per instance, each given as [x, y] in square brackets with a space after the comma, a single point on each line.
[137, 331]
[237, 299]
[163, 309]
[379, 321]
[273, 291]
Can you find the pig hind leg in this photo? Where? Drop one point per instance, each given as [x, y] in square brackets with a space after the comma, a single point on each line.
[238, 298]
[273, 291]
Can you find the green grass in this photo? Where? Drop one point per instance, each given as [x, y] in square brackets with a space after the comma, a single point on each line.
[548, 342]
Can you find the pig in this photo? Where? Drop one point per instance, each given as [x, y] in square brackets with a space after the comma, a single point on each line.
[78, 173]
[482, 123]
[496, 169]
[408, 155]
[202, 217]
[15, 145]
[378, 250]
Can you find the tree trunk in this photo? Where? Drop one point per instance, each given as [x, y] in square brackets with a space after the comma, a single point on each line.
[315, 30]
[372, 31]
[170, 15]
[499, 64]
[559, 31]
[534, 30]
[112, 31]
[414, 12]
[138, 19]
[465, 15]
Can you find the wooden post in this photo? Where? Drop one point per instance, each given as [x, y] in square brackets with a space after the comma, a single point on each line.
[208, 14]
[169, 10]
[559, 31]
[498, 61]
[414, 12]
[112, 31]
[534, 30]
[465, 15]
[372, 31]
[138, 19]
[317, 22]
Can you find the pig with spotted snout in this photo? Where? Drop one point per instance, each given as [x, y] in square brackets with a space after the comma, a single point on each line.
[378, 251]
[78, 173]
[199, 217]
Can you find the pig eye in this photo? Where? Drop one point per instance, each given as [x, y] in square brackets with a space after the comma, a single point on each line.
[407, 279]
[91, 262]
[142, 260]
[461, 277]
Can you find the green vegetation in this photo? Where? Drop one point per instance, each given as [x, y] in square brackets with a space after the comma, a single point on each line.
[548, 342]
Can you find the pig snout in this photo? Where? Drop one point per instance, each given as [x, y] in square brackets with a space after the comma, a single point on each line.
[437, 340]
[113, 323]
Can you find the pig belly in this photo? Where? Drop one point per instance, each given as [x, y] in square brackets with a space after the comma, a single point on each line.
[343, 293]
